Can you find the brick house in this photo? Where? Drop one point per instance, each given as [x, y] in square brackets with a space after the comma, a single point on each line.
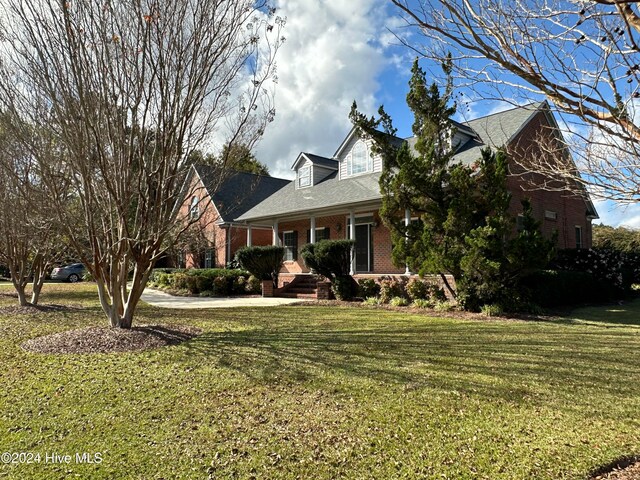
[339, 197]
[215, 238]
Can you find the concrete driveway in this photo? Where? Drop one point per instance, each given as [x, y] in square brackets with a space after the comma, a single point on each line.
[162, 299]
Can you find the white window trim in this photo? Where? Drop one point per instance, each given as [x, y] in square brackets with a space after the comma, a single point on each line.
[369, 162]
[310, 176]
[194, 208]
[285, 245]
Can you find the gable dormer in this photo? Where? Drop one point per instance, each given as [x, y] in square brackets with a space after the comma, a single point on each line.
[355, 156]
[312, 169]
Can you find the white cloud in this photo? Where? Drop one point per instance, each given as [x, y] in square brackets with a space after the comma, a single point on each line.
[616, 214]
[331, 57]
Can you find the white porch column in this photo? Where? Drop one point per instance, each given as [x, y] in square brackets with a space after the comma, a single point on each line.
[312, 233]
[249, 236]
[352, 236]
[276, 239]
[407, 222]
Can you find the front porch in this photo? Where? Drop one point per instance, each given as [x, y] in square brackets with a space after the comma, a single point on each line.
[372, 251]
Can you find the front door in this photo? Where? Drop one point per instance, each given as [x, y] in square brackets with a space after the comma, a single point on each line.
[363, 248]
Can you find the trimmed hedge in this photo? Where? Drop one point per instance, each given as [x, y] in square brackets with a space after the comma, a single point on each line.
[553, 288]
[264, 262]
[217, 282]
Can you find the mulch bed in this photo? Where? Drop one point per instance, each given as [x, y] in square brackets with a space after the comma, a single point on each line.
[37, 309]
[108, 340]
[626, 469]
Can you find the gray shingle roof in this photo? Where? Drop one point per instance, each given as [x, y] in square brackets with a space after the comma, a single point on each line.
[329, 192]
[238, 193]
[493, 130]
[322, 161]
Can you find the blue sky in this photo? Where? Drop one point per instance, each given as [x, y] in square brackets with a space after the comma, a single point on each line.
[337, 52]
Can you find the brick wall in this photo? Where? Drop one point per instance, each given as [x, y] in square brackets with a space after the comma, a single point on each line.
[571, 209]
[381, 241]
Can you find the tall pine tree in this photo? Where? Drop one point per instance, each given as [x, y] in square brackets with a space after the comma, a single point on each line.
[462, 227]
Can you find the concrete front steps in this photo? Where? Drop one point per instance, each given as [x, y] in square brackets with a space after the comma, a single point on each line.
[302, 286]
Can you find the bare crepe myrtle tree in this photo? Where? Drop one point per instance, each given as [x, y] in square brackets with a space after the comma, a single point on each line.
[130, 88]
[31, 240]
[582, 55]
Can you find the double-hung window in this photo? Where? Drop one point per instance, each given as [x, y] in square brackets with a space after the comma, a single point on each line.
[304, 177]
[290, 243]
[194, 209]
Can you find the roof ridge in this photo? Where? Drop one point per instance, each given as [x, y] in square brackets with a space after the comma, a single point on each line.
[517, 107]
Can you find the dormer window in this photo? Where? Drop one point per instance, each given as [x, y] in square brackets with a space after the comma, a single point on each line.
[304, 177]
[359, 161]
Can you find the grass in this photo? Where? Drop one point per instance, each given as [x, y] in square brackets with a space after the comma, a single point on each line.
[317, 392]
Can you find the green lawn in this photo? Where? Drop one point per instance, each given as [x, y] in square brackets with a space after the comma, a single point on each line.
[317, 392]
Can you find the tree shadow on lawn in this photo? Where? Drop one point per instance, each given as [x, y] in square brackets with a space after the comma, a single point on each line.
[516, 366]
[623, 313]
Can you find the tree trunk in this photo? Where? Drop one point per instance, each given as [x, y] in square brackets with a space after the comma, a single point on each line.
[38, 282]
[22, 296]
[450, 289]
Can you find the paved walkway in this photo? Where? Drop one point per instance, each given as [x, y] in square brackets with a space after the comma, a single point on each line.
[162, 299]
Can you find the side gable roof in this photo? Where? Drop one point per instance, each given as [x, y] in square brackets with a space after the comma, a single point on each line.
[239, 192]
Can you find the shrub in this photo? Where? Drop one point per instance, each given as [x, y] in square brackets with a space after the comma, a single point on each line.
[180, 281]
[157, 272]
[253, 285]
[491, 310]
[164, 279]
[371, 301]
[399, 302]
[203, 283]
[368, 288]
[436, 293]
[214, 281]
[332, 260]
[263, 262]
[423, 303]
[552, 288]
[343, 287]
[444, 306]
[392, 287]
[418, 289]
[618, 269]
[221, 286]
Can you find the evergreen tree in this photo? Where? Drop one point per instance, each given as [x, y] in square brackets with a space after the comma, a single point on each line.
[463, 226]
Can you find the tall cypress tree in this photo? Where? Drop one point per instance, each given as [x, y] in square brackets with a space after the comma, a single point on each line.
[462, 227]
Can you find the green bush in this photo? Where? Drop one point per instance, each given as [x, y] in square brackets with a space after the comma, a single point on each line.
[343, 287]
[491, 310]
[263, 262]
[553, 288]
[619, 269]
[371, 301]
[399, 302]
[422, 303]
[368, 288]
[332, 260]
[205, 281]
[180, 281]
[436, 293]
[418, 289]
[392, 287]
[253, 286]
[445, 306]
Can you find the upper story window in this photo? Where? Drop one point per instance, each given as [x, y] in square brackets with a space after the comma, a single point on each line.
[304, 177]
[359, 161]
[578, 237]
[194, 209]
